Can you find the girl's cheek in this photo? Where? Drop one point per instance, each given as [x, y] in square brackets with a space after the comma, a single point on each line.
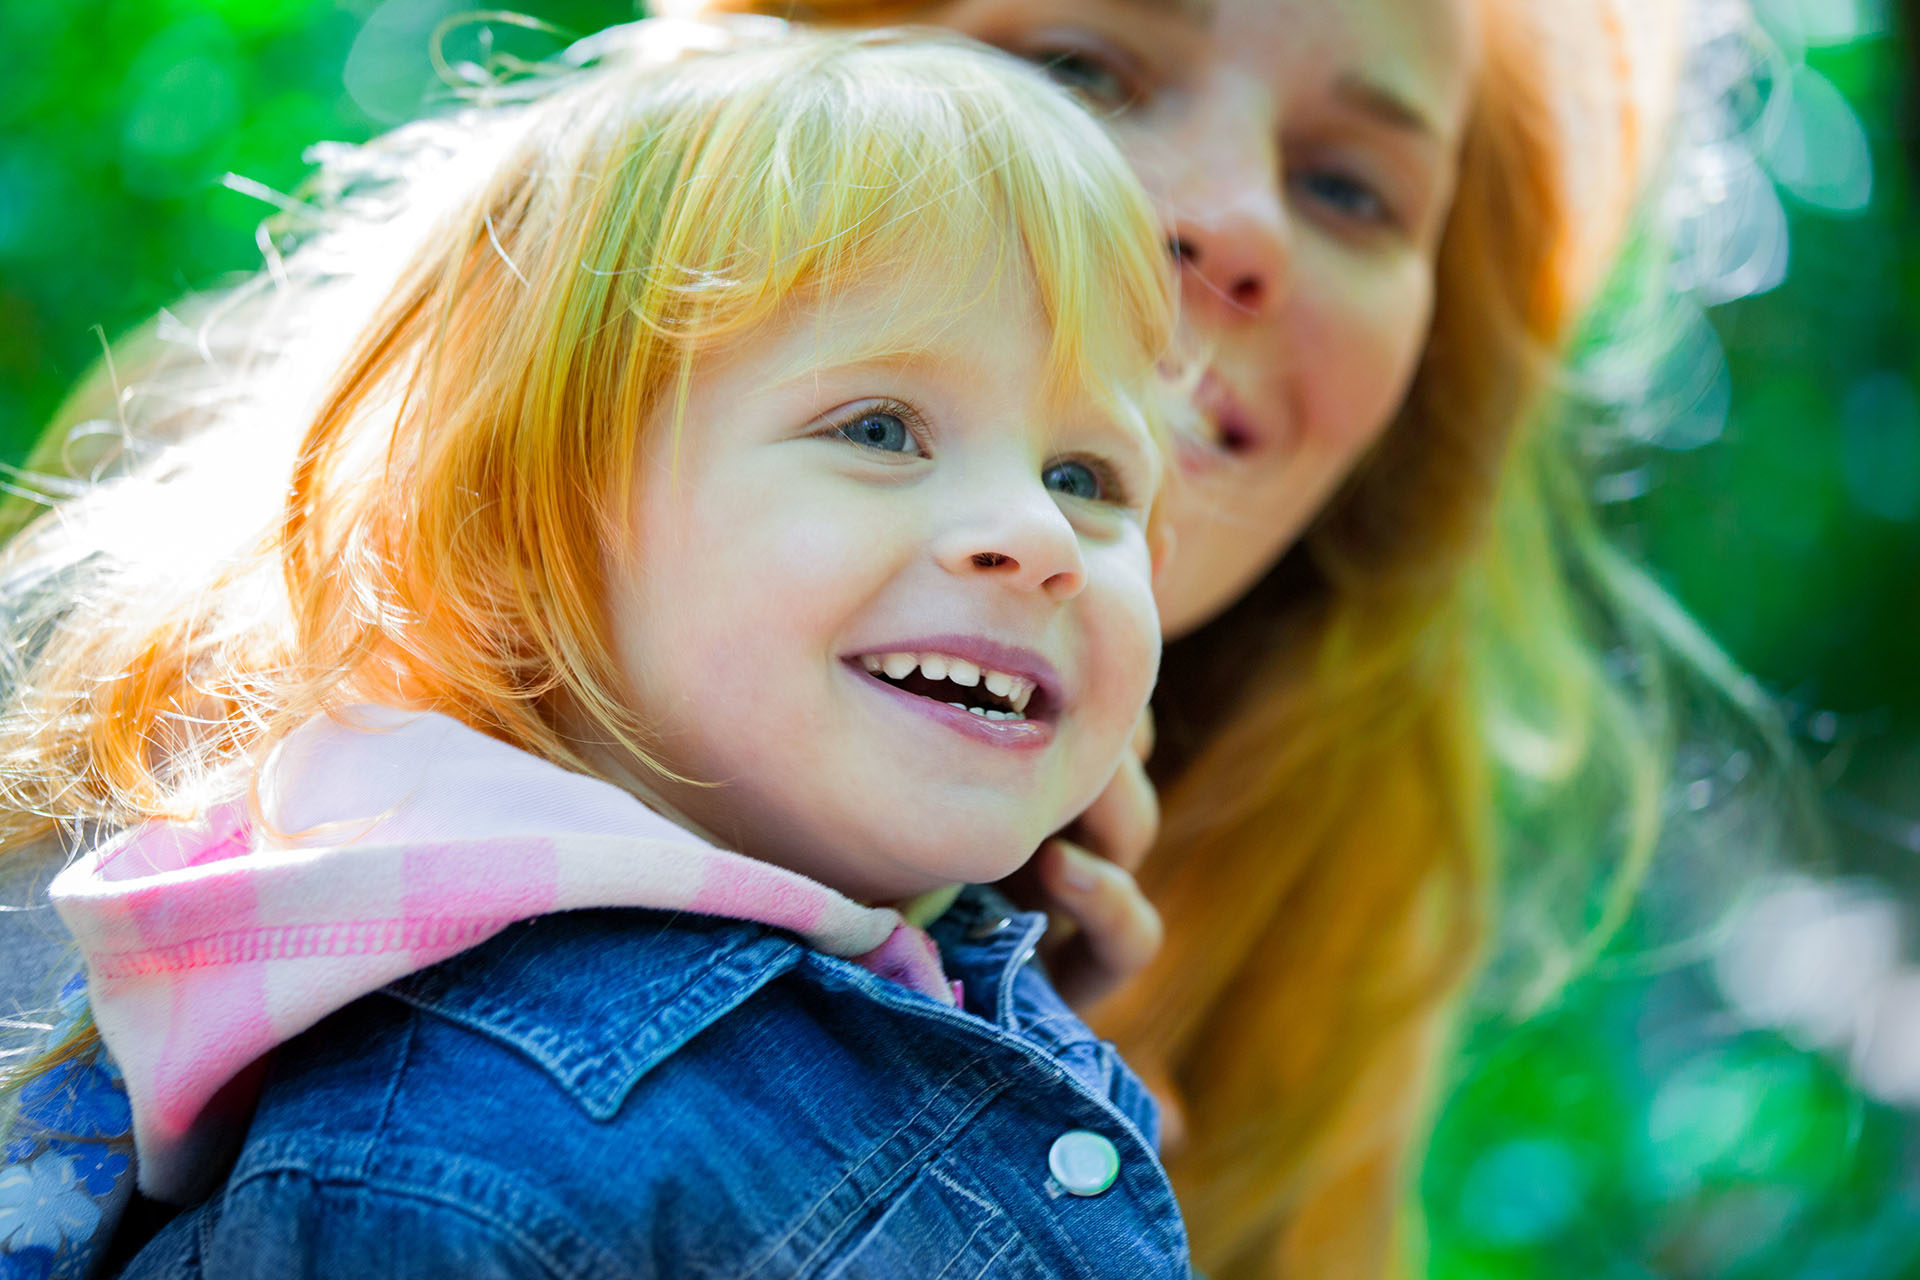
[1128, 643]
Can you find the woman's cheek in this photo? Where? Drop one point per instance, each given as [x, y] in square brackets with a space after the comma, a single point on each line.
[1360, 321]
[1392, 317]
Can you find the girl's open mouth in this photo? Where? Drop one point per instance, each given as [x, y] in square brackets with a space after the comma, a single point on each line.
[989, 704]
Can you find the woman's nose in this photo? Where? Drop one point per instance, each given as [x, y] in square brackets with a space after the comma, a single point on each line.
[1230, 230]
[1023, 541]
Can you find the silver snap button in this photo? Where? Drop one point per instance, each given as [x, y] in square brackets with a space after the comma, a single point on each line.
[987, 926]
[1083, 1162]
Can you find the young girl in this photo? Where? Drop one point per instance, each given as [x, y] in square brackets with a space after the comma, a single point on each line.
[685, 518]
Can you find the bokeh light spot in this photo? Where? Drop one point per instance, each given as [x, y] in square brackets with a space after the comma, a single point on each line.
[189, 103]
[1820, 150]
[1821, 23]
[1698, 1120]
[183, 103]
[1523, 1191]
[389, 74]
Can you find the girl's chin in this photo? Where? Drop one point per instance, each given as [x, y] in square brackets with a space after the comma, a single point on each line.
[935, 873]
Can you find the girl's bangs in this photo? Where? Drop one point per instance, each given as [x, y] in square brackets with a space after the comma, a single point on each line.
[872, 164]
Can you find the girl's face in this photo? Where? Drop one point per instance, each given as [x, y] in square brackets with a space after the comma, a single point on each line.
[1305, 153]
[874, 520]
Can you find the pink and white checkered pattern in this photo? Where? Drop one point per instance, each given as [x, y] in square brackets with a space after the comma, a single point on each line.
[388, 841]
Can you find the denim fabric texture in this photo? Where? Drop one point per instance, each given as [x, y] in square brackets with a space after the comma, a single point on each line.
[624, 1093]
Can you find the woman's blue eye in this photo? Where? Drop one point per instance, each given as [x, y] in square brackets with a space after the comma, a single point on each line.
[1075, 479]
[879, 430]
[1347, 196]
[1086, 75]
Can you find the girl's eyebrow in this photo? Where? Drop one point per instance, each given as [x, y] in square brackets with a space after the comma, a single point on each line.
[1123, 437]
[850, 364]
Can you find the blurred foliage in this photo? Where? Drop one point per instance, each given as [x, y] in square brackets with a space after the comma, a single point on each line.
[119, 121]
[1641, 1128]
[1637, 1129]
[1795, 538]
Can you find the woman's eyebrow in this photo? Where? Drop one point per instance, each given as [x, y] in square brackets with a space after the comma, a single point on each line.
[1198, 12]
[1385, 105]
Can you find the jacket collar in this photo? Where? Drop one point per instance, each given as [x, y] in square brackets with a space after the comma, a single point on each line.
[604, 996]
[597, 999]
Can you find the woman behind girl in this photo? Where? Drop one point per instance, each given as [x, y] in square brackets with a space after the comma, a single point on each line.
[765, 437]
[1382, 603]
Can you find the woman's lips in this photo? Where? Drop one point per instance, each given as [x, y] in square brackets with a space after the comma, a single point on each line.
[1225, 429]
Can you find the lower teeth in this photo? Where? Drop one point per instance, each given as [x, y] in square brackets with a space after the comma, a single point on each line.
[986, 713]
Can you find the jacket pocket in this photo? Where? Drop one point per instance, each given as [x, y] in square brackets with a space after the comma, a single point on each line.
[941, 1226]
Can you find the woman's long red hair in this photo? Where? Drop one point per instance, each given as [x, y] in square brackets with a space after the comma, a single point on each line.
[1329, 745]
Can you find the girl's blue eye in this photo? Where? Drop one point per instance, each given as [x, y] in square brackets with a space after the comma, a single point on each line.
[1075, 480]
[880, 430]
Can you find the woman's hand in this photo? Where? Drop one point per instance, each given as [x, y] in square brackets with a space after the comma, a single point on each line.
[1102, 929]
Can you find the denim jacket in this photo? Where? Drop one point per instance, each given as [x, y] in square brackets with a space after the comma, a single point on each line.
[471, 968]
[627, 1092]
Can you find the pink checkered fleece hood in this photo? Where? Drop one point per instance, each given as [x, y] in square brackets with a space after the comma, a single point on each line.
[386, 841]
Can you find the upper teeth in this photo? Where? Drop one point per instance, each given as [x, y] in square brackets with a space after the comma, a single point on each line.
[1017, 690]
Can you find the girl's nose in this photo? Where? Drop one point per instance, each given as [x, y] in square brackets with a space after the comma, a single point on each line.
[1230, 231]
[1023, 541]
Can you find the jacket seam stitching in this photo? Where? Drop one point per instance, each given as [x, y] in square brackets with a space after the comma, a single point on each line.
[987, 1266]
[382, 1120]
[1004, 979]
[813, 1210]
[423, 1193]
[1036, 1064]
[978, 1227]
[933, 1171]
[938, 1142]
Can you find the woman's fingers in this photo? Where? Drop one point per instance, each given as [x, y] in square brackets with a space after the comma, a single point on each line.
[1118, 930]
[1121, 824]
[1101, 928]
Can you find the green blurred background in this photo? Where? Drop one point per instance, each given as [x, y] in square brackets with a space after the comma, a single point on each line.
[1726, 1096]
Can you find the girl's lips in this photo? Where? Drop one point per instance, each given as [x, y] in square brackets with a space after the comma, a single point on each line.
[1019, 735]
[987, 654]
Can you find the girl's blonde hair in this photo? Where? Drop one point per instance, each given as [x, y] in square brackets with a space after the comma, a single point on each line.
[1331, 746]
[403, 488]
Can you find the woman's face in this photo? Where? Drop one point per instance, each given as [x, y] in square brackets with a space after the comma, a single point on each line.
[1304, 152]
